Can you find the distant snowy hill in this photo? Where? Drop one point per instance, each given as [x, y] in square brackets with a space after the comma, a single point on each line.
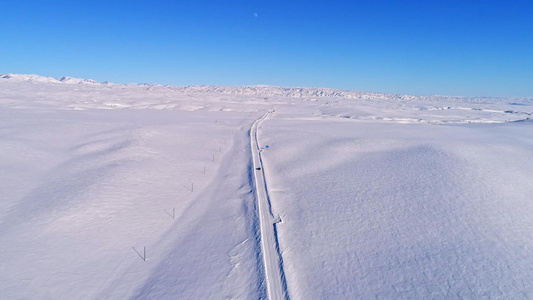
[28, 78]
[37, 78]
[258, 91]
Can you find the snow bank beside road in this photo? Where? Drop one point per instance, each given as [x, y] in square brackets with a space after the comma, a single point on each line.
[402, 210]
[83, 191]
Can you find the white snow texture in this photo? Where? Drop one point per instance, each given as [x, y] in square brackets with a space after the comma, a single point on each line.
[141, 191]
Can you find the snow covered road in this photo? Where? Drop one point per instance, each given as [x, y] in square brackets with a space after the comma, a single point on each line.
[274, 276]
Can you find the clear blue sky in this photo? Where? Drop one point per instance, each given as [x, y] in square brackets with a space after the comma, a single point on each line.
[447, 47]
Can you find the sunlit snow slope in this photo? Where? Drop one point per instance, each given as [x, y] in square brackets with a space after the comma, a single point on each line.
[410, 211]
[375, 196]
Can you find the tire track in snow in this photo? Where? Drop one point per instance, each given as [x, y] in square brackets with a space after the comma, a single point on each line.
[274, 275]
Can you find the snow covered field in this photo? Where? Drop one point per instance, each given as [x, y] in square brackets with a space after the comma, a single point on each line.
[374, 196]
[408, 211]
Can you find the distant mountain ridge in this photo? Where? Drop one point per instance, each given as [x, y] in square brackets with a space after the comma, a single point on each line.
[258, 91]
[44, 79]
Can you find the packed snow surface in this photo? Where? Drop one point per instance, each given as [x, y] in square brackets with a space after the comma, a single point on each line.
[151, 192]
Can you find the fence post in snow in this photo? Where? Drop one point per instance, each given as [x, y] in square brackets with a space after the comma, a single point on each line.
[144, 257]
[173, 213]
[213, 158]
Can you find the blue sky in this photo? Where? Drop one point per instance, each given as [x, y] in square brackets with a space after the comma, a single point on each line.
[470, 48]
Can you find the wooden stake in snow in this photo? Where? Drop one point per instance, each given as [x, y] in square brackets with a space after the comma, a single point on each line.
[204, 169]
[173, 213]
[190, 189]
[143, 256]
[213, 158]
